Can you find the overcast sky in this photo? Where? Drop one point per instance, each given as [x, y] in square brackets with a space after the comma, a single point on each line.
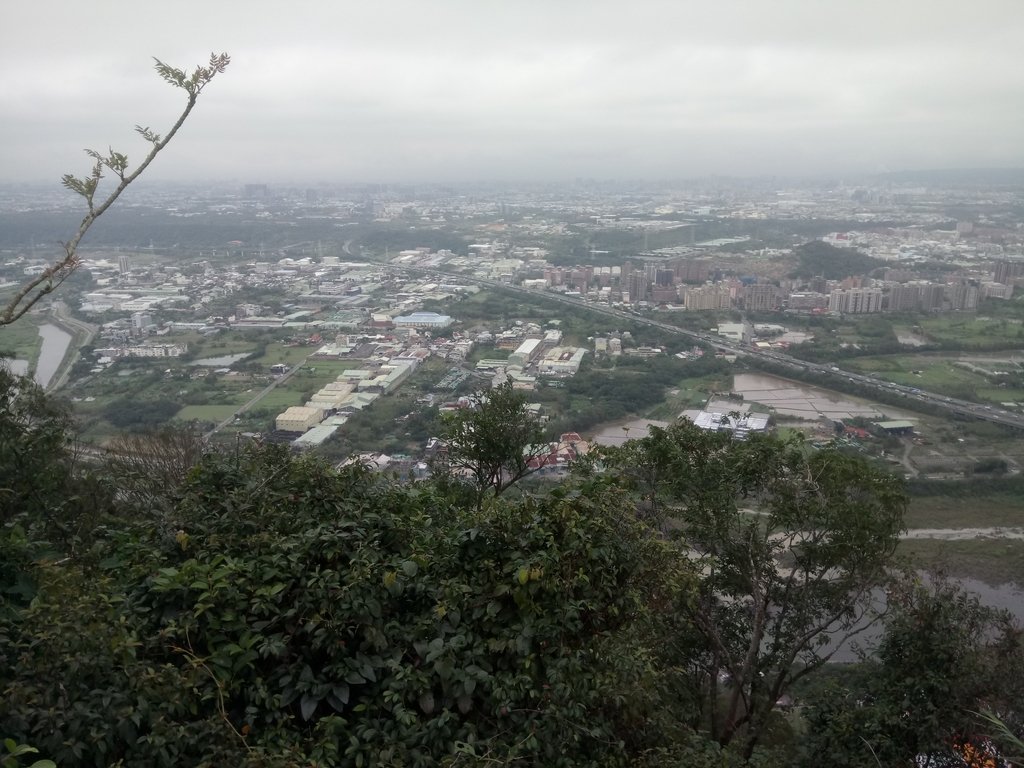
[463, 90]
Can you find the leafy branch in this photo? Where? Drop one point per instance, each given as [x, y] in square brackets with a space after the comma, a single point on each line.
[115, 163]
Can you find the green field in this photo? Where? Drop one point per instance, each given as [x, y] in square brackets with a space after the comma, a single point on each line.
[21, 340]
[946, 375]
[279, 353]
[214, 413]
[280, 398]
[690, 393]
[993, 561]
[969, 331]
[1004, 510]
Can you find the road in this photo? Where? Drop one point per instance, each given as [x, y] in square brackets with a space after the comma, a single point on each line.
[912, 394]
[263, 393]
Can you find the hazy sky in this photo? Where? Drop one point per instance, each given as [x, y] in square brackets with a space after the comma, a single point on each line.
[452, 90]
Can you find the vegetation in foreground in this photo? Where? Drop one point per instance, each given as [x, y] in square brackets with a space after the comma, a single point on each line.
[258, 608]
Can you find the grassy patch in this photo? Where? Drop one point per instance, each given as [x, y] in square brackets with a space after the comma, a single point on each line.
[974, 512]
[22, 340]
[280, 398]
[1000, 394]
[970, 330]
[935, 373]
[279, 353]
[993, 561]
[205, 412]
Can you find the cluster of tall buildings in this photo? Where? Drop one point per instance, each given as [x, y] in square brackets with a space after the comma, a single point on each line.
[686, 282]
[919, 296]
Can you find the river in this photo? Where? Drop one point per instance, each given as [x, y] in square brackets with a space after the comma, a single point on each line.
[1005, 597]
[55, 346]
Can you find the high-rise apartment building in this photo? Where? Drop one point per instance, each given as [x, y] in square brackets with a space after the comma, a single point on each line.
[638, 286]
[707, 297]
[932, 297]
[1007, 270]
[855, 301]
[690, 270]
[962, 296]
[904, 297]
[761, 297]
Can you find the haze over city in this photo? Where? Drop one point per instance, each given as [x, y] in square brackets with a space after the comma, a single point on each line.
[462, 91]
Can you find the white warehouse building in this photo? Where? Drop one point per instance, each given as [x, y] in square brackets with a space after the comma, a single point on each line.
[423, 320]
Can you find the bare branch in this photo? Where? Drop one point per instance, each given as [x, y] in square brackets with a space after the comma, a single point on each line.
[34, 290]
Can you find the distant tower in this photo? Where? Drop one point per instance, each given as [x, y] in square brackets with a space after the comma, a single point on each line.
[122, 264]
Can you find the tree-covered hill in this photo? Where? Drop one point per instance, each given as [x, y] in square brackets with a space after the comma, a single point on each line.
[819, 259]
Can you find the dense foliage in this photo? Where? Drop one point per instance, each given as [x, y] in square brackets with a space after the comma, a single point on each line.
[790, 545]
[819, 259]
[263, 609]
[943, 656]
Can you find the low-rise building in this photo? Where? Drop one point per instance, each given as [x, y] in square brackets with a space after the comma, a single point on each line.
[423, 320]
[741, 333]
[315, 436]
[561, 361]
[740, 424]
[525, 353]
[299, 418]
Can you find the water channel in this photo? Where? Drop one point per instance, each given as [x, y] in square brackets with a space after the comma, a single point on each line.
[55, 346]
[1005, 597]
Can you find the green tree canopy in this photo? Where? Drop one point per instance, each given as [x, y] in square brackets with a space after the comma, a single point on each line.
[496, 441]
[942, 658]
[818, 258]
[300, 613]
[790, 544]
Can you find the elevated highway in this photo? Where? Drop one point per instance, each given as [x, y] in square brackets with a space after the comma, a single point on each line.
[911, 395]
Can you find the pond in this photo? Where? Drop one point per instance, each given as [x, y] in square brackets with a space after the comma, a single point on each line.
[223, 361]
[791, 398]
[1007, 597]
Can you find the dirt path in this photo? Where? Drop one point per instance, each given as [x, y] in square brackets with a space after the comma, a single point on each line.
[908, 446]
[963, 534]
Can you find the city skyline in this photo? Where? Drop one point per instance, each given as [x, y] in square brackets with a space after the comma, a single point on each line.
[456, 92]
